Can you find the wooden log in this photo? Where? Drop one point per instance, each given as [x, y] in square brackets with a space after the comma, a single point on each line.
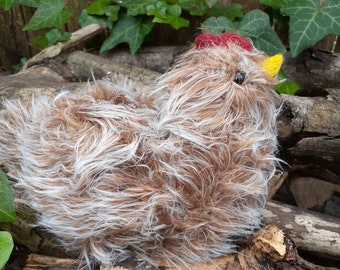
[313, 70]
[156, 58]
[309, 230]
[86, 66]
[76, 38]
[36, 81]
[323, 147]
[311, 114]
[38, 261]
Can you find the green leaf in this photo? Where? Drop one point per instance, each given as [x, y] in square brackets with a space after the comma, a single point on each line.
[98, 7]
[156, 9]
[55, 36]
[195, 8]
[288, 88]
[112, 13]
[167, 14]
[136, 7]
[6, 5]
[310, 21]
[40, 42]
[175, 10]
[6, 247]
[273, 3]
[52, 37]
[16, 67]
[218, 25]
[211, 3]
[175, 22]
[255, 25]
[232, 11]
[86, 19]
[28, 3]
[7, 211]
[49, 14]
[104, 7]
[131, 30]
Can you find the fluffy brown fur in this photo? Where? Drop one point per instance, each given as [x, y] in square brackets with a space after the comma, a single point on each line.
[116, 173]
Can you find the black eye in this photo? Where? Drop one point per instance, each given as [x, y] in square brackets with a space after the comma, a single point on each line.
[239, 77]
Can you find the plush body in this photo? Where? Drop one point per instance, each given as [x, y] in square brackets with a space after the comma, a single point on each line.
[115, 172]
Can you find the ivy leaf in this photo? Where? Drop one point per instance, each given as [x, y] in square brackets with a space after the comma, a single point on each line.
[86, 19]
[136, 7]
[7, 211]
[16, 67]
[131, 30]
[104, 7]
[255, 25]
[310, 21]
[52, 37]
[195, 8]
[167, 14]
[273, 3]
[174, 21]
[112, 13]
[98, 7]
[6, 247]
[40, 42]
[232, 11]
[288, 88]
[6, 5]
[218, 25]
[211, 3]
[50, 13]
[28, 3]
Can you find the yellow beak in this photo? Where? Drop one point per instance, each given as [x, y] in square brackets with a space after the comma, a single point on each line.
[272, 64]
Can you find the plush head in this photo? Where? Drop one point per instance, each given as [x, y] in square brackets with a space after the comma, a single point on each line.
[115, 174]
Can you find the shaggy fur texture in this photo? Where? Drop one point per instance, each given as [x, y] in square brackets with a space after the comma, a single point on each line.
[116, 173]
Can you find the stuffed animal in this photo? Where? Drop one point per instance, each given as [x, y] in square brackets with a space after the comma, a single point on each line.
[177, 175]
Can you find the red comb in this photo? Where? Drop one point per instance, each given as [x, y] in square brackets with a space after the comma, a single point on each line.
[210, 40]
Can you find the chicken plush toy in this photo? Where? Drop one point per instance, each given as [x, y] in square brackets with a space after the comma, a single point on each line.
[175, 176]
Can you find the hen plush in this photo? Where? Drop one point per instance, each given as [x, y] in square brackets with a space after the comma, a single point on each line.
[176, 176]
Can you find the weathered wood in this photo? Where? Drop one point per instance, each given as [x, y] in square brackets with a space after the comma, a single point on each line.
[311, 114]
[85, 66]
[77, 7]
[309, 230]
[157, 58]
[323, 147]
[76, 37]
[35, 81]
[37, 261]
[313, 70]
